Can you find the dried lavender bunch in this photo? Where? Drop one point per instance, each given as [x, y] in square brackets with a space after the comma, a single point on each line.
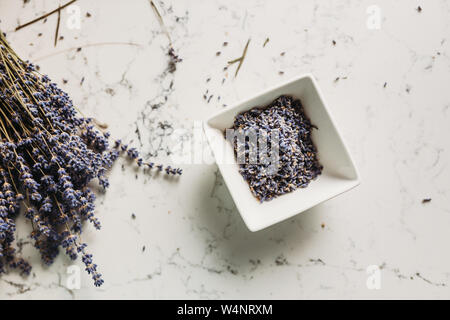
[297, 162]
[48, 156]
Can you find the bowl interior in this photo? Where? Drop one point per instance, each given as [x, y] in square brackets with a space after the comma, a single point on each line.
[339, 173]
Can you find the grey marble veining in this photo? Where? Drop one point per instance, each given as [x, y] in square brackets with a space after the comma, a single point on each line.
[388, 91]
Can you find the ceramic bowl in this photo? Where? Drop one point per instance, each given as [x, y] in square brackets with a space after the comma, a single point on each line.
[339, 172]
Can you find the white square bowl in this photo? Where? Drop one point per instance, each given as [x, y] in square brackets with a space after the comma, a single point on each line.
[339, 172]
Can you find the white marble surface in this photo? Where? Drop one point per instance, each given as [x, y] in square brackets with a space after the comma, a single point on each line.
[196, 245]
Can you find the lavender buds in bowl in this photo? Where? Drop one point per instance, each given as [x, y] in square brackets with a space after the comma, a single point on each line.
[274, 149]
[338, 175]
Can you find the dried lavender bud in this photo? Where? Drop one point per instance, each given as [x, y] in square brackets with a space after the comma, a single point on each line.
[173, 60]
[296, 163]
